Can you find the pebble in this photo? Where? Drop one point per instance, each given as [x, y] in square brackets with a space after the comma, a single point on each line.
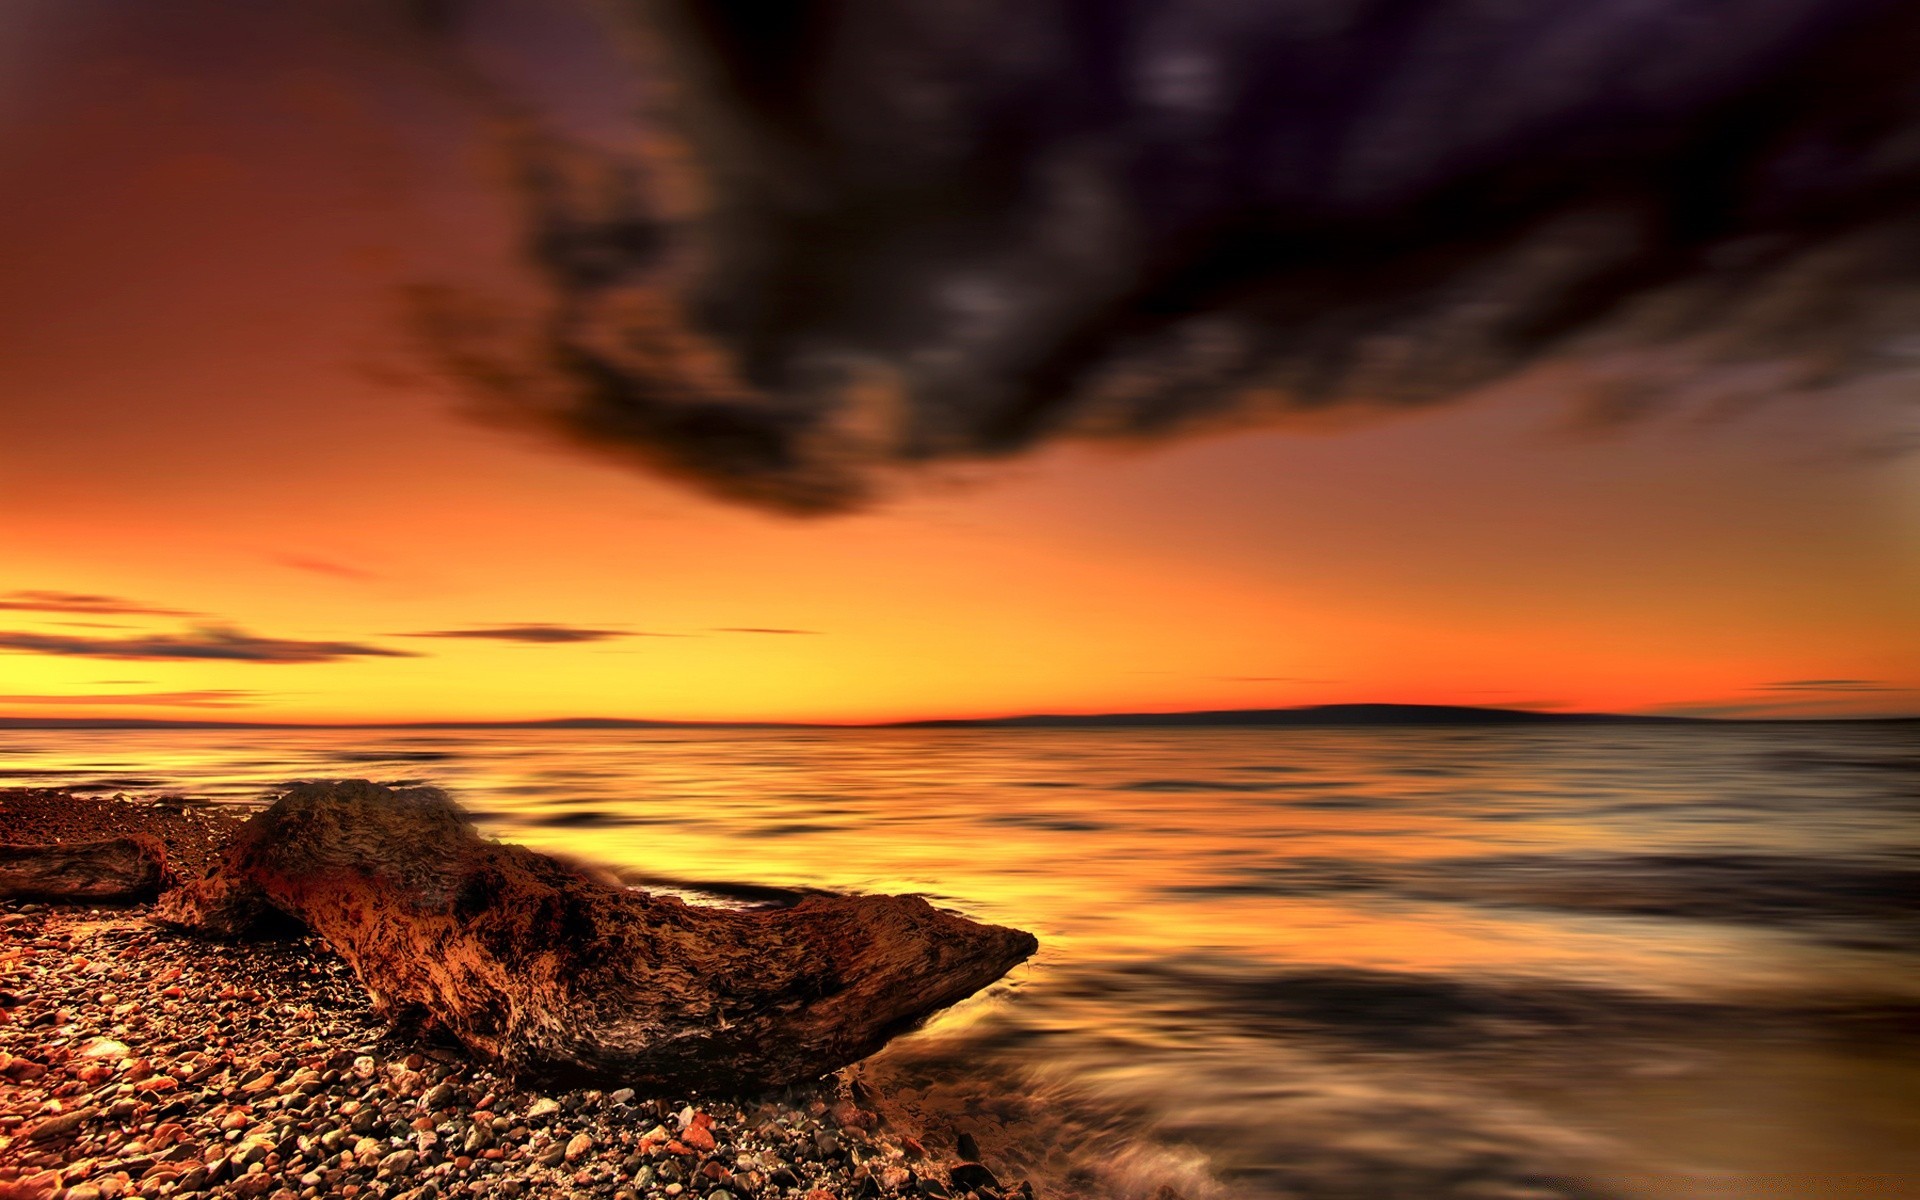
[260, 1071]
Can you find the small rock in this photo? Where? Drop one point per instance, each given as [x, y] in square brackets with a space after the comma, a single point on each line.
[851, 1116]
[39, 1186]
[893, 1178]
[59, 1126]
[577, 1146]
[972, 1175]
[20, 1068]
[542, 1108]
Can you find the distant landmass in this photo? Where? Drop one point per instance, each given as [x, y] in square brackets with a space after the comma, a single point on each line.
[1319, 714]
[1315, 716]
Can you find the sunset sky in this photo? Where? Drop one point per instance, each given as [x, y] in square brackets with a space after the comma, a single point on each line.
[225, 494]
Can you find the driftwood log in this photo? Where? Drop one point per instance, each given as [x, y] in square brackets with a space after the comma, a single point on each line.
[554, 970]
[118, 870]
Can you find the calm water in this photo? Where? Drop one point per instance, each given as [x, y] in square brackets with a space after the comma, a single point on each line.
[1592, 962]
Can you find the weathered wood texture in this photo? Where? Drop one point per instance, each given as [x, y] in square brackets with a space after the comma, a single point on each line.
[113, 871]
[553, 969]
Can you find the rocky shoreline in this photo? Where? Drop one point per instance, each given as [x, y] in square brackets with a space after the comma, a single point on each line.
[137, 1061]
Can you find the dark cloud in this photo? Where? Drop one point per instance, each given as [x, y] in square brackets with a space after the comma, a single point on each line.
[83, 602]
[533, 633]
[216, 642]
[864, 236]
[1829, 685]
[218, 698]
[759, 629]
[321, 566]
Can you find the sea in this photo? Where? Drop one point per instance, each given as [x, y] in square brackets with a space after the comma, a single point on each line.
[1500, 963]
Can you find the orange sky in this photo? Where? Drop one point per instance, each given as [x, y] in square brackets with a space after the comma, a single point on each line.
[191, 419]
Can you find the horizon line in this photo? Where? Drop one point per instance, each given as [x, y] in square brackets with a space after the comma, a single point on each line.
[1373, 712]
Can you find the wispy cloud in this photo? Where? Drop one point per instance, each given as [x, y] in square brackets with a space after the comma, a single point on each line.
[217, 642]
[1797, 703]
[216, 698]
[322, 566]
[1830, 685]
[1726, 708]
[83, 602]
[762, 629]
[539, 633]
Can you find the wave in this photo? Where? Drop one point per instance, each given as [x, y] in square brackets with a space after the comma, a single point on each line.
[1805, 893]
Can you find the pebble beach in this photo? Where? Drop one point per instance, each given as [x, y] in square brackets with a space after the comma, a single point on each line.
[139, 1061]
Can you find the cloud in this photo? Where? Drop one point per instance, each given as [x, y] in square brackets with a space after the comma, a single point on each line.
[1728, 709]
[885, 235]
[217, 642]
[1830, 685]
[1804, 703]
[759, 629]
[83, 602]
[217, 698]
[540, 634]
[321, 566]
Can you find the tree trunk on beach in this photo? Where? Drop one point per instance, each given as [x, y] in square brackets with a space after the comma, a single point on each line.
[115, 871]
[553, 969]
